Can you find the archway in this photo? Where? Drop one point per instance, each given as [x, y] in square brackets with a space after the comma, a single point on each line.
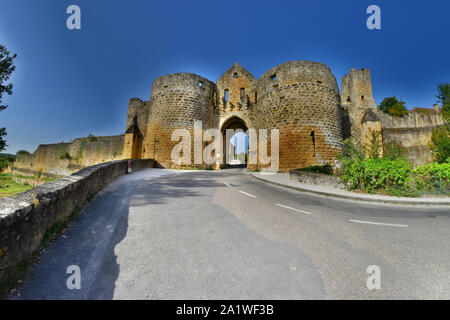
[235, 142]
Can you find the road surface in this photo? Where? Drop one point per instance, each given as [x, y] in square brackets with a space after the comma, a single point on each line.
[162, 234]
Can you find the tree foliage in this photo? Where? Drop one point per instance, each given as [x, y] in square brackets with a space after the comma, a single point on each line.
[6, 69]
[393, 106]
[444, 98]
[440, 143]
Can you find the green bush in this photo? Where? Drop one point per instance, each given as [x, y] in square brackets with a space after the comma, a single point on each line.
[440, 144]
[394, 151]
[22, 152]
[378, 175]
[393, 106]
[433, 177]
[326, 169]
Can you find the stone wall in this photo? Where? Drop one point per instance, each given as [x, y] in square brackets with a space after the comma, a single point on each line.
[65, 158]
[316, 179]
[26, 217]
[412, 131]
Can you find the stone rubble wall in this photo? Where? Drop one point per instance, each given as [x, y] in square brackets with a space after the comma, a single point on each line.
[412, 131]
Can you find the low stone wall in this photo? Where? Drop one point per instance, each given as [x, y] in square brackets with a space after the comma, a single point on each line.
[27, 217]
[316, 179]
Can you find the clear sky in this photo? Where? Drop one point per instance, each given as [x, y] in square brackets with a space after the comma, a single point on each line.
[71, 83]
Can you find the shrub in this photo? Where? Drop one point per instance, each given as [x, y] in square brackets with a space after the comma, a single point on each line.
[22, 152]
[92, 138]
[433, 177]
[374, 175]
[394, 151]
[440, 144]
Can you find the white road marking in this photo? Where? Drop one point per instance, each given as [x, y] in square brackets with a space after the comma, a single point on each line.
[228, 185]
[305, 212]
[381, 223]
[247, 194]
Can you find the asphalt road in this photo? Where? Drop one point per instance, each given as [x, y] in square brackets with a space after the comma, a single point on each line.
[161, 234]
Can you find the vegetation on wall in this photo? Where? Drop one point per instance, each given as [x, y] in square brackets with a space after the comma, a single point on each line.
[64, 154]
[444, 98]
[23, 152]
[440, 144]
[391, 174]
[6, 69]
[440, 139]
[393, 106]
[80, 151]
[393, 151]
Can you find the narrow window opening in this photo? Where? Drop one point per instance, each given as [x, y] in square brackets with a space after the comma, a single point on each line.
[348, 99]
[256, 96]
[242, 93]
[319, 82]
[273, 77]
[235, 75]
[226, 94]
[313, 137]
[200, 83]
[362, 97]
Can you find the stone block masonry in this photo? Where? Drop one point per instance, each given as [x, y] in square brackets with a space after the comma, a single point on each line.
[27, 217]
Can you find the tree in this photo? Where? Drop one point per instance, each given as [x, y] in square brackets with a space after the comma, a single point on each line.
[393, 106]
[6, 69]
[444, 98]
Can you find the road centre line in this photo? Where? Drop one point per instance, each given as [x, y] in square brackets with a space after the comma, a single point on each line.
[248, 194]
[380, 223]
[286, 207]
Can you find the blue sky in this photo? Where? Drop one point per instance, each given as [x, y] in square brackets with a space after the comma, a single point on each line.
[71, 83]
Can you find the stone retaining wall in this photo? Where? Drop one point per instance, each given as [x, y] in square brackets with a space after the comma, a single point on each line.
[316, 179]
[26, 217]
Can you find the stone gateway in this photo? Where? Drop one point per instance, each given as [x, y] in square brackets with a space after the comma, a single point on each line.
[300, 98]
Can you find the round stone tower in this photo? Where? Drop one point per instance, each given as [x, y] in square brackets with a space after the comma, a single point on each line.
[177, 101]
[301, 99]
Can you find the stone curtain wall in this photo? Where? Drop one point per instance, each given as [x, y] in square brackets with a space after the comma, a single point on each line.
[301, 99]
[177, 101]
[412, 131]
[82, 152]
[26, 217]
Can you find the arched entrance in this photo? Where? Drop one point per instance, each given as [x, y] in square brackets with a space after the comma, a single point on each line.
[235, 142]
